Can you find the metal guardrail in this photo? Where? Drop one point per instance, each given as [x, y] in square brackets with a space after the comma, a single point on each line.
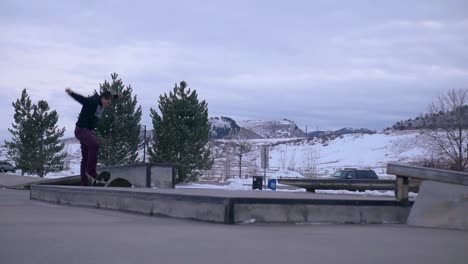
[352, 185]
[405, 172]
[342, 184]
[408, 179]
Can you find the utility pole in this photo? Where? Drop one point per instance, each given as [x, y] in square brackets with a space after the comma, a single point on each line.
[265, 158]
[144, 143]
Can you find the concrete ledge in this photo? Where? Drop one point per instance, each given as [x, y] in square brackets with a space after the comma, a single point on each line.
[447, 176]
[15, 181]
[231, 207]
[159, 175]
[134, 200]
[441, 205]
[309, 213]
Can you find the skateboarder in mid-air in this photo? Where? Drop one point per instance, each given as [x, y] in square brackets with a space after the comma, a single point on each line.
[91, 112]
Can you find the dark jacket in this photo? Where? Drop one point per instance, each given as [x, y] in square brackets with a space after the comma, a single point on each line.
[91, 111]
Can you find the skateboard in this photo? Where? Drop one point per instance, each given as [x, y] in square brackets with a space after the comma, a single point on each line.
[101, 179]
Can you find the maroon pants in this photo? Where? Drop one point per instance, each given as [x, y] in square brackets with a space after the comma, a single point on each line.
[89, 152]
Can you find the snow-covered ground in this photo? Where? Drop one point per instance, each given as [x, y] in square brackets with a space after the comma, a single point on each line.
[297, 157]
[364, 151]
[290, 157]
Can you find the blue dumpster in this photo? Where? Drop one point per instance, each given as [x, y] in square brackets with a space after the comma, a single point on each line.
[272, 184]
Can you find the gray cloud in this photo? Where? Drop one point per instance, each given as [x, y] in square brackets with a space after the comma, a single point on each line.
[324, 63]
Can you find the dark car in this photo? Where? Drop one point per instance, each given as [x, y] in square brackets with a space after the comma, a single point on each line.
[354, 174]
[5, 166]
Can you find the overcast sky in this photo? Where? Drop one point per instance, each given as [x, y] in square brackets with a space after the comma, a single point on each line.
[325, 64]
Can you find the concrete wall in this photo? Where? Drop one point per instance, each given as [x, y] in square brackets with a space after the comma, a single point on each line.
[152, 203]
[16, 181]
[143, 175]
[442, 205]
[341, 214]
[135, 174]
[223, 207]
[162, 177]
[430, 174]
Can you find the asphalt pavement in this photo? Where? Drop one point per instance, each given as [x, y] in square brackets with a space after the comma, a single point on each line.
[37, 232]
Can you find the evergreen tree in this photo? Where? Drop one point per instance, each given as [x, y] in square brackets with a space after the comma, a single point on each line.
[35, 146]
[20, 147]
[119, 127]
[181, 131]
[48, 153]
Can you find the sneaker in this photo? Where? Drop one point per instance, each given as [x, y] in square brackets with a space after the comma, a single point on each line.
[91, 179]
[100, 180]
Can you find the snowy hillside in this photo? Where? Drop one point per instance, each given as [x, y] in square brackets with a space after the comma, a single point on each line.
[225, 127]
[316, 157]
[222, 127]
[273, 129]
[348, 151]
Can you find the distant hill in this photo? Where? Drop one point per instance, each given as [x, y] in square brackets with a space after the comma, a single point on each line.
[225, 127]
[222, 127]
[434, 120]
[339, 132]
[273, 129]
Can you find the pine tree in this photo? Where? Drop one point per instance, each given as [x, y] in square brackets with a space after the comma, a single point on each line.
[119, 127]
[19, 148]
[35, 146]
[49, 156]
[181, 132]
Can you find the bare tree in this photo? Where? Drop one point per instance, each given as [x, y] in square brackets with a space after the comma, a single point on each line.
[227, 154]
[241, 147]
[292, 161]
[253, 167]
[283, 159]
[216, 157]
[311, 162]
[448, 130]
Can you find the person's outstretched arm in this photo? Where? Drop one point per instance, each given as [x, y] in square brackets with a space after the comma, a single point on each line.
[78, 97]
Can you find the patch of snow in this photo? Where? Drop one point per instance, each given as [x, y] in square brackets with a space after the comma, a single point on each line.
[250, 221]
[286, 174]
[219, 122]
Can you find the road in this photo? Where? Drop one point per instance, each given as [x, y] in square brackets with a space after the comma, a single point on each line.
[36, 232]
